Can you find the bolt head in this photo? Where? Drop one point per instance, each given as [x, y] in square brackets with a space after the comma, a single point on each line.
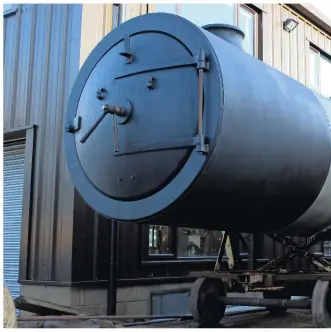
[101, 94]
[69, 128]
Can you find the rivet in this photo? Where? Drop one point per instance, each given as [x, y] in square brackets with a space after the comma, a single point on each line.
[119, 179]
[132, 177]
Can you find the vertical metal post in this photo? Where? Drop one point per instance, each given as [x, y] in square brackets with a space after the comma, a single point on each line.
[113, 262]
[251, 252]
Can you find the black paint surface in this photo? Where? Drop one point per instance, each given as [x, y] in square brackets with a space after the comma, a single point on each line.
[269, 137]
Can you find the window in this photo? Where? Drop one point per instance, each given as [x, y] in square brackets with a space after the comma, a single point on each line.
[185, 243]
[319, 72]
[327, 248]
[198, 242]
[313, 69]
[325, 76]
[228, 13]
[118, 14]
[246, 22]
[182, 242]
[160, 240]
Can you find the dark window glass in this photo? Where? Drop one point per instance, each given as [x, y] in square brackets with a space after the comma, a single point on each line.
[159, 240]
[198, 242]
[327, 248]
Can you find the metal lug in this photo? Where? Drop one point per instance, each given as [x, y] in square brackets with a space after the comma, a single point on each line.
[74, 126]
[151, 84]
[127, 50]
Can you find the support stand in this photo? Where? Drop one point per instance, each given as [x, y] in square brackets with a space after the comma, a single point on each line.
[208, 295]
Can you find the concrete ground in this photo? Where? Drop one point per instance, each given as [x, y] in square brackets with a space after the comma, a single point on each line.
[292, 319]
[261, 319]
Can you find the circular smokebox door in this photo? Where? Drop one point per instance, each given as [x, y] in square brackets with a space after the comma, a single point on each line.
[140, 98]
[132, 119]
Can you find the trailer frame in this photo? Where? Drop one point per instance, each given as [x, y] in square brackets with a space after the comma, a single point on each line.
[208, 297]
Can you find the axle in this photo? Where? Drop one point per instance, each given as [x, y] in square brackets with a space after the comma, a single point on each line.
[254, 302]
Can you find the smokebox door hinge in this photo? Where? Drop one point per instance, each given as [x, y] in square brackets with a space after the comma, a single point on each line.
[74, 125]
[202, 146]
[202, 61]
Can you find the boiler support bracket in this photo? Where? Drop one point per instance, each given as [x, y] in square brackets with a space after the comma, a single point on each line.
[300, 248]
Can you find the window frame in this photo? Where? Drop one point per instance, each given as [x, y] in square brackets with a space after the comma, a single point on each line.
[321, 53]
[27, 134]
[146, 256]
[171, 258]
[313, 48]
[256, 25]
[118, 14]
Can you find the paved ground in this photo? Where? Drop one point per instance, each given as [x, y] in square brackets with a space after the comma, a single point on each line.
[292, 319]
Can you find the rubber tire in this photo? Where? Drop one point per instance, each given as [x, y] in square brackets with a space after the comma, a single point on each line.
[205, 307]
[321, 300]
[276, 295]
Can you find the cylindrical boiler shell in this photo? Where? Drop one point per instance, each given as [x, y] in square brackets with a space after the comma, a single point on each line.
[269, 135]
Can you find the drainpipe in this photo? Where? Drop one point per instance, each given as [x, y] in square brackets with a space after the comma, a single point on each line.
[113, 264]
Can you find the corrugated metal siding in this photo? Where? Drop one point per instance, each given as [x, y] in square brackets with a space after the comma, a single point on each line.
[13, 181]
[288, 51]
[41, 61]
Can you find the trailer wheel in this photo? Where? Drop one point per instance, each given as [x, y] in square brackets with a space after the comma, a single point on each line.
[321, 304]
[206, 309]
[277, 295]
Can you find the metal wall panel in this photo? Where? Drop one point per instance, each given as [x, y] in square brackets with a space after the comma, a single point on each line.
[13, 181]
[41, 62]
[288, 52]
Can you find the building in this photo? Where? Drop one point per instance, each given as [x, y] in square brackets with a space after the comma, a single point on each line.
[54, 244]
